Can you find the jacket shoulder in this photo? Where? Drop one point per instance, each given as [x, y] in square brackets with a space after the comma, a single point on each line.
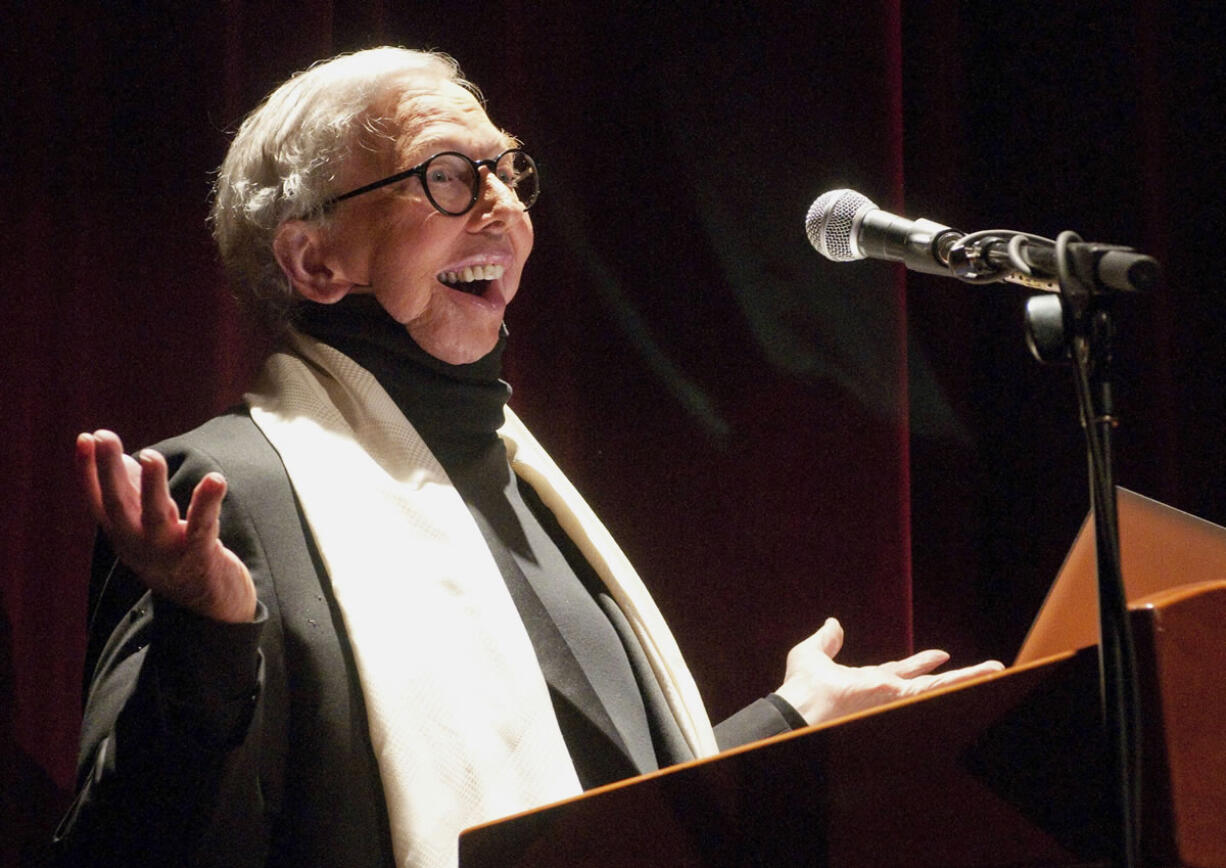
[231, 443]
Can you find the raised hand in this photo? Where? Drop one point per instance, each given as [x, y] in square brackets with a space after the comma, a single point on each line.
[821, 689]
[180, 559]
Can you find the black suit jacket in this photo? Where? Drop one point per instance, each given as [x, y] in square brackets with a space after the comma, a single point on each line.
[248, 745]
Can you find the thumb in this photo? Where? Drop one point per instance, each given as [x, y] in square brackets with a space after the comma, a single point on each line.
[829, 637]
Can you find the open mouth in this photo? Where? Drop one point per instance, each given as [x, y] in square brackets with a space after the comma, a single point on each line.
[472, 279]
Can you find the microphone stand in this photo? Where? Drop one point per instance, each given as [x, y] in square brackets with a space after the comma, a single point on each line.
[1076, 326]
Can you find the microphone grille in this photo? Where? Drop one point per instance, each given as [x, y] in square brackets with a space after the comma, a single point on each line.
[831, 220]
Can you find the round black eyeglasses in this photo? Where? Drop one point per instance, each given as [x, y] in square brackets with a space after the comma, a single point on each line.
[453, 182]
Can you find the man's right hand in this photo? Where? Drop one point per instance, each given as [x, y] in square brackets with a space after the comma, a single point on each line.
[181, 560]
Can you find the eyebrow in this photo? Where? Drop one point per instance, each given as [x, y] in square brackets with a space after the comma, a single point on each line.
[432, 144]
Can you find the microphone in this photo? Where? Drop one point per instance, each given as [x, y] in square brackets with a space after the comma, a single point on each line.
[844, 225]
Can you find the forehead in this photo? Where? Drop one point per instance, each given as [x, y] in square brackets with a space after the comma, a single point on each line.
[431, 116]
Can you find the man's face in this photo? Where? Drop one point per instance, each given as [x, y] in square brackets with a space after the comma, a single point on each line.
[413, 258]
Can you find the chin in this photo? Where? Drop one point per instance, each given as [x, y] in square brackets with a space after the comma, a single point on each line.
[457, 349]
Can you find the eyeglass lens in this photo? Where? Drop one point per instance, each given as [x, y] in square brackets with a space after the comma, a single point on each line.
[453, 182]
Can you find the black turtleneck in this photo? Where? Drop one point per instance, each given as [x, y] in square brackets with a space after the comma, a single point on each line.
[457, 410]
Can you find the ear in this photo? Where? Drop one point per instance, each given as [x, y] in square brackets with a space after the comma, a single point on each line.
[302, 251]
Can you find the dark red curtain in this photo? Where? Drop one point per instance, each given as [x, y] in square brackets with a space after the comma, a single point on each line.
[771, 437]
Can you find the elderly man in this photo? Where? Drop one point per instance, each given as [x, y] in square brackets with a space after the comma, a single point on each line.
[340, 624]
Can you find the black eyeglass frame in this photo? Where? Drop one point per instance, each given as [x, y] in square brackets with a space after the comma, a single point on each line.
[420, 171]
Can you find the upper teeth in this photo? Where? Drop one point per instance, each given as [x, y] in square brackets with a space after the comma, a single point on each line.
[469, 273]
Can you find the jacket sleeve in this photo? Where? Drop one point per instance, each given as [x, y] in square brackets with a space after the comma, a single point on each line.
[768, 716]
[169, 770]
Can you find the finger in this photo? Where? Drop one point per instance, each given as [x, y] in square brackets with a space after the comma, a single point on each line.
[966, 673]
[157, 509]
[87, 475]
[957, 676]
[204, 510]
[117, 494]
[829, 637]
[917, 664]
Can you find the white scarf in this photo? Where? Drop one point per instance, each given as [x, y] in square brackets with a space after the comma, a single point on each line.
[460, 718]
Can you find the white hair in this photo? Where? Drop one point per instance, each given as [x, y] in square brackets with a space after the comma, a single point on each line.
[287, 155]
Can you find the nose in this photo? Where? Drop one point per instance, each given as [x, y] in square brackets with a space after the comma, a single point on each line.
[497, 201]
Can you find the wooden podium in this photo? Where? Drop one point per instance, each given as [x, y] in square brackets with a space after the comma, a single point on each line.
[1005, 771]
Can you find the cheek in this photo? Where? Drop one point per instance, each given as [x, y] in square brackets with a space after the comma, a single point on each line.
[524, 239]
[404, 263]
[529, 235]
[406, 296]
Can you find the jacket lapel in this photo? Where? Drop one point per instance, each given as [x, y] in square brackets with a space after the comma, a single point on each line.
[562, 655]
[534, 468]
